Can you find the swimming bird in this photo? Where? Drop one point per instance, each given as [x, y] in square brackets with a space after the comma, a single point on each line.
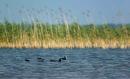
[64, 58]
[39, 59]
[59, 60]
[27, 60]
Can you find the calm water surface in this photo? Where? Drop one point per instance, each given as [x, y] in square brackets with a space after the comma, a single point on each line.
[80, 64]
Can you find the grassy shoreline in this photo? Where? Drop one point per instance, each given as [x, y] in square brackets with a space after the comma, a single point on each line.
[44, 35]
[68, 44]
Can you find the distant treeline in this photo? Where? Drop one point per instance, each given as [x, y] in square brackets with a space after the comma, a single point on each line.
[74, 35]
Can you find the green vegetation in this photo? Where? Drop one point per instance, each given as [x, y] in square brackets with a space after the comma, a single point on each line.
[44, 35]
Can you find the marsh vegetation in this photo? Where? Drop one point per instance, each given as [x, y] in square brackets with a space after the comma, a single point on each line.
[73, 35]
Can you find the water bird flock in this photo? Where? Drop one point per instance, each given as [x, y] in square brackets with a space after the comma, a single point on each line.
[39, 59]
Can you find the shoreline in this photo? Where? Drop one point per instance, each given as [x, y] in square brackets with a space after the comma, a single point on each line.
[100, 43]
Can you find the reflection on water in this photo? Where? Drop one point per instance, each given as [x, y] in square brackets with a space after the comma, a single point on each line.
[80, 64]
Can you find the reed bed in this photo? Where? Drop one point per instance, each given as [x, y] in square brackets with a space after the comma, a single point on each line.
[73, 35]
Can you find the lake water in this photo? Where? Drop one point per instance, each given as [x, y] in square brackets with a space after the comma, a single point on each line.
[80, 64]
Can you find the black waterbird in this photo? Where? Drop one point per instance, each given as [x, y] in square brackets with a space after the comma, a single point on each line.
[27, 60]
[59, 60]
[39, 59]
